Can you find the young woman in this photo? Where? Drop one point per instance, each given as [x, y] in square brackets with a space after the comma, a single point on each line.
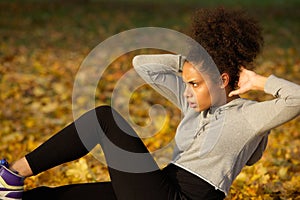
[216, 138]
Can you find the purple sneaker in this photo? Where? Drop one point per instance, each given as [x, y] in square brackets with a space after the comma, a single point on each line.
[11, 184]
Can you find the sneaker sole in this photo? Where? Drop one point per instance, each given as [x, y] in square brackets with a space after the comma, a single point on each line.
[10, 195]
[7, 198]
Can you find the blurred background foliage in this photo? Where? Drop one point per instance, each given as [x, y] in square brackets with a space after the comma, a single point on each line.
[43, 44]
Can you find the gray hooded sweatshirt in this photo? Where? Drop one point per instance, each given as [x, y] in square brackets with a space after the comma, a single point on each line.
[217, 143]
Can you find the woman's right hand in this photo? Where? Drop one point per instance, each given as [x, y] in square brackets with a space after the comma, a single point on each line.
[249, 80]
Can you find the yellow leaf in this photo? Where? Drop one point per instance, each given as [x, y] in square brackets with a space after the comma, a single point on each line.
[50, 107]
[29, 123]
[79, 171]
[283, 172]
[265, 179]
[38, 91]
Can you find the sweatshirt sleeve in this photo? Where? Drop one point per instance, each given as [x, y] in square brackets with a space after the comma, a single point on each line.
[258, 153]
[161, 71]
[264, 116]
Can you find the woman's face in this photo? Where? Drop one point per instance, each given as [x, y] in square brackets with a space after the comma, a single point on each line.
[197, 91]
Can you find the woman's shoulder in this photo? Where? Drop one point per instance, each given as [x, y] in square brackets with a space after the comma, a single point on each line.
[240, 102]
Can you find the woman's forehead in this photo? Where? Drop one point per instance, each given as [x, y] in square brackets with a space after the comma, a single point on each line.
[190, 73]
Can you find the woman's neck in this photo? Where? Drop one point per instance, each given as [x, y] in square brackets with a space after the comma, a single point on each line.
[228, 99]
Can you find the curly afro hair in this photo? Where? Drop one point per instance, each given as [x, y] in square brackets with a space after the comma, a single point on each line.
[230, 37]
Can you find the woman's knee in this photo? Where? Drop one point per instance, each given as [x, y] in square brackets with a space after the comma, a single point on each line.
[104, 111]
[110, 119]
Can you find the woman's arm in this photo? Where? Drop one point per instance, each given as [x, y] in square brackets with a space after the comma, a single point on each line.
[266, 115]
[161, 71]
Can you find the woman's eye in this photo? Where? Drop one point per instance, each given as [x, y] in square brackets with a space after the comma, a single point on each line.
[195, 84]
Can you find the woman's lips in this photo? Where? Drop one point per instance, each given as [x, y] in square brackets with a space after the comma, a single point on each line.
[192, 105]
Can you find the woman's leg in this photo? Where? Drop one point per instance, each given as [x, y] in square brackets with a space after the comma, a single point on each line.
[122, 147]
[134, 173]
[22, 167]
[64, 146]
[88, 191]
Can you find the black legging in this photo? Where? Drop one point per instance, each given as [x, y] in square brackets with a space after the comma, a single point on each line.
[134, 173]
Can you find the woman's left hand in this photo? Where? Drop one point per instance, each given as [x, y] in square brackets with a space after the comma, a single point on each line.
[249, 80]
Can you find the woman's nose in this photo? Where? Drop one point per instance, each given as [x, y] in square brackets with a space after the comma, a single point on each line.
[187, 92]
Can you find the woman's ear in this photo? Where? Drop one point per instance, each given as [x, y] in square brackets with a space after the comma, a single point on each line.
[224, 80]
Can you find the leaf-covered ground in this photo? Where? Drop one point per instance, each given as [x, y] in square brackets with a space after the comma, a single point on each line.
[41, 49]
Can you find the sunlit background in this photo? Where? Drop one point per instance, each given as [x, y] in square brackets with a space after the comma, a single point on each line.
[43, 43]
